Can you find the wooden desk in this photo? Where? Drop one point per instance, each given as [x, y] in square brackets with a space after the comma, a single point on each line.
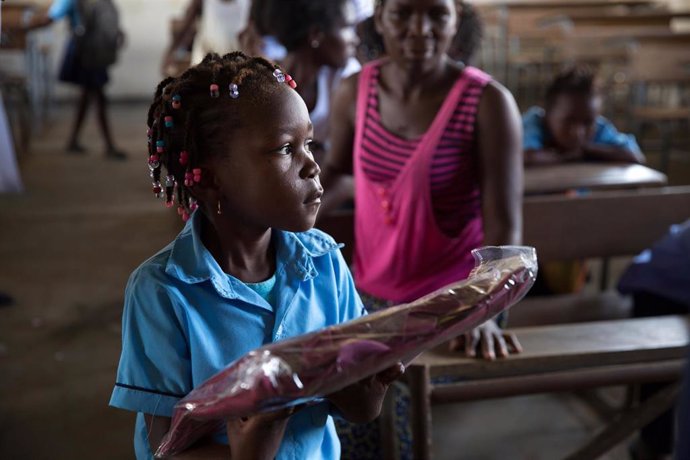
[594, 176]
[560, 358]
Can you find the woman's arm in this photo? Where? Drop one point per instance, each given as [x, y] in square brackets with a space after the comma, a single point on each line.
[336, 175]
[501, 171]
[191, 14]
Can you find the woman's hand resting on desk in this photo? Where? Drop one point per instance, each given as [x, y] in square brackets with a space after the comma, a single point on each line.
[490, 339]
[361, 402]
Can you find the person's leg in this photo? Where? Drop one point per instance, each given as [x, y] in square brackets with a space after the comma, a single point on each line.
[102, 104]
[73, 145]
[657, 438]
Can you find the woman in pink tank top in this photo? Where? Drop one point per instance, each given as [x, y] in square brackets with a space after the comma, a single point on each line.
[434, 148]
[435, 151]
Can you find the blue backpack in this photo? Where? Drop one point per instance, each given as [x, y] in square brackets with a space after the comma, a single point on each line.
[98, 35]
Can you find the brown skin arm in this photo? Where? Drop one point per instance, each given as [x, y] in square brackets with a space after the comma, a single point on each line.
[336, 173]
[500, 159]
[257, 437]
[361, 402]
[595, 152]
[38, 21]
[544, 157]
[591, 152]
[191, 14]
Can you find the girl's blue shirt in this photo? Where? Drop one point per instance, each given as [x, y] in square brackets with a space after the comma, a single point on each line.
[185, 319]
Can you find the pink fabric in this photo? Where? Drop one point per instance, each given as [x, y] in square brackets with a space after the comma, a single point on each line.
[401, 254]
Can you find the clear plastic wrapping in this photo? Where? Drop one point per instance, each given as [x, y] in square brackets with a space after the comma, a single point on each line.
[313, 365]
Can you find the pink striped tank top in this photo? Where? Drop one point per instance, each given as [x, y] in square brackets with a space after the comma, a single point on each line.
[417, 201]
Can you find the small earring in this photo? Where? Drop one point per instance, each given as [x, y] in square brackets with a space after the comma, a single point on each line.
[218, 211]
[315, 43]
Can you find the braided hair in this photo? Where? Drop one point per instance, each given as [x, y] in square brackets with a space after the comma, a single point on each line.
[192, 116]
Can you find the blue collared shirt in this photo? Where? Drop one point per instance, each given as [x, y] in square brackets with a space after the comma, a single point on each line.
[536, 136]
[61, 8]
[185, 320]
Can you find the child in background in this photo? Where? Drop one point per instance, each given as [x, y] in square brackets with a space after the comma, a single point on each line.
[246, 270]
[658, 281]
[570, 126]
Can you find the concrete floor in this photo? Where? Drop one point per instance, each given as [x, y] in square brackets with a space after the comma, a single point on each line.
[67, 246]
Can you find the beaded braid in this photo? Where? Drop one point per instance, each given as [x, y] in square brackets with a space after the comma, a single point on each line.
[191, 113]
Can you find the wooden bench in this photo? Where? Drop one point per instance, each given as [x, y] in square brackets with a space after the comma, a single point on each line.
[560, 357]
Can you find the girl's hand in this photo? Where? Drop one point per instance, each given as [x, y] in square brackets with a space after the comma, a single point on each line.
[361, 402]
[493, 341]
[258, 436]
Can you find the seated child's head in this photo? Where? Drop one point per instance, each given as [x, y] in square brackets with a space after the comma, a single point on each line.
[232, 137]
[572, 106]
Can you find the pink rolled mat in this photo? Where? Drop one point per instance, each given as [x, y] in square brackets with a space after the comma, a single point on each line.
[314, 365]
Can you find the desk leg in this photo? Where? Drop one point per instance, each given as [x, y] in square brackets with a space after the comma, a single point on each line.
[420, 411]
[627, 423]
[387, 426]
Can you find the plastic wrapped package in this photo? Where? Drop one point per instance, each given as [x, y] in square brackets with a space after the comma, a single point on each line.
[313, 365]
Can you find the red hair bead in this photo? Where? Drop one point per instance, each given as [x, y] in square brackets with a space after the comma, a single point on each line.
[184, 157]
[176, 101]
[196, 172]
[290, 81]
[188, 179]
[185, 216]
[214, 90]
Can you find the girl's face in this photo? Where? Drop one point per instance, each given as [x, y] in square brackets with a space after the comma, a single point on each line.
[571, 120]
[268, 178]
[417, 30]
[340, 43]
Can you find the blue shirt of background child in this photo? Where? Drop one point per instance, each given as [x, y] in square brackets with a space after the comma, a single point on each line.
[663, 269]
[185, 320]
[61, 8]
[536, 136]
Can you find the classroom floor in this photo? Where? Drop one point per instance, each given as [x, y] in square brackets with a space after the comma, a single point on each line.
[67, 246]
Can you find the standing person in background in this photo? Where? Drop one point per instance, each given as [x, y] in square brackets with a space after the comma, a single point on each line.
[219, 25]
[571, 128]
[320, 41]
[77, 68]
[10, 182]
[434, 148]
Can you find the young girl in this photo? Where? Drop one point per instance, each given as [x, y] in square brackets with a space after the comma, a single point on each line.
[229, 146]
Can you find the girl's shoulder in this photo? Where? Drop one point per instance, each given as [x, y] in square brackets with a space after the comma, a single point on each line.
[317, 242]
